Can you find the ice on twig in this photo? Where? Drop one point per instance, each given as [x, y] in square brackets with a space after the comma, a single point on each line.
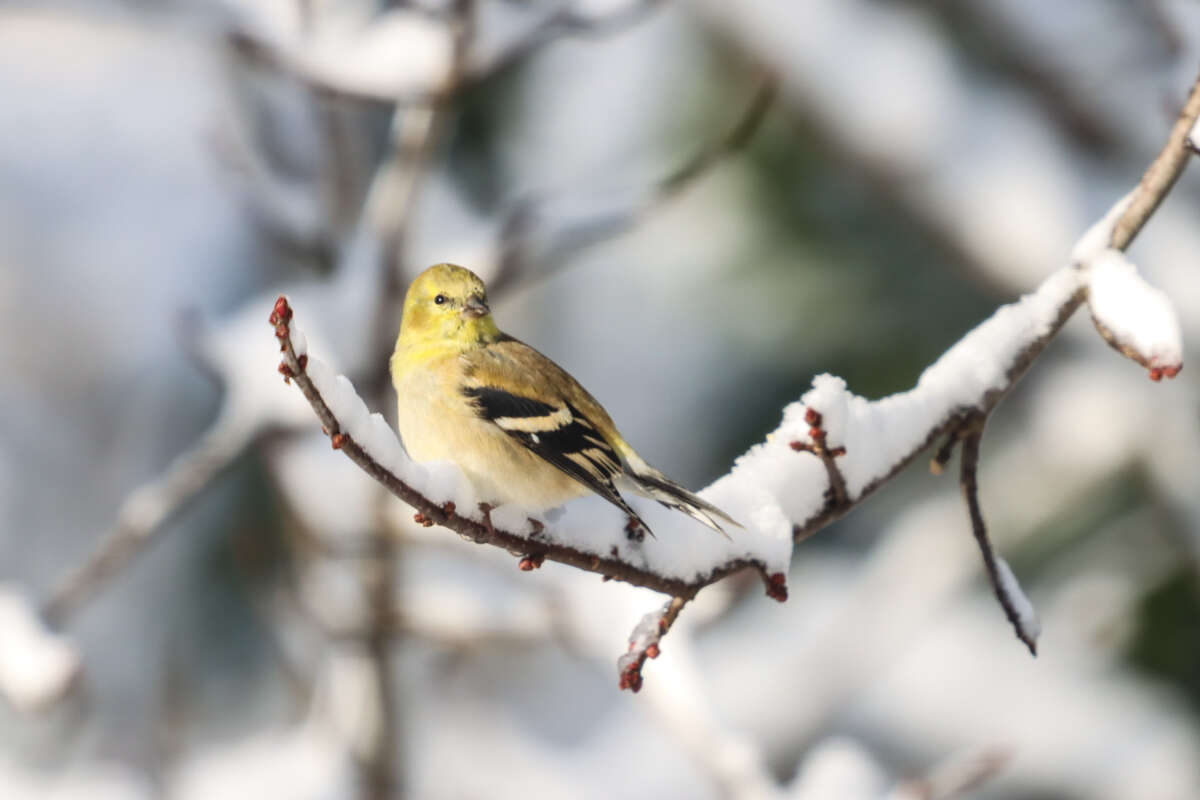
[37, 666]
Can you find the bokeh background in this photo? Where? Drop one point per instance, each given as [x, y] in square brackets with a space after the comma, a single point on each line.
[694, 246]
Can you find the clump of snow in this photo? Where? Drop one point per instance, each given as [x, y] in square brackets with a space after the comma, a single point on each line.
[399, 54]
[1138, 317]
[794, 484]
[1028, 624]
[36, 666]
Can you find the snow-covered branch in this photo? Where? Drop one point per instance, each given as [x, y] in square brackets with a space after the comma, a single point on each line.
[678, 562]
[831, 451]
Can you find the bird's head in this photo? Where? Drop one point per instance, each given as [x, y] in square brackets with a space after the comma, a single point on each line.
[447, 303]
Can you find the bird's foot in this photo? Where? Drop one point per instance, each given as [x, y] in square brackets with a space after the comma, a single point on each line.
[634, 530]
[486, 510]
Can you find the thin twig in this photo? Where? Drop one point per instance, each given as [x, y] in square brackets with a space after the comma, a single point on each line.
[521, 219]
[144, 513]
[644, 642]
[968, 480]
[565, 22]
[735, 138]
[937, 464]
[1161, 175]
[818, 446]
[956, 775]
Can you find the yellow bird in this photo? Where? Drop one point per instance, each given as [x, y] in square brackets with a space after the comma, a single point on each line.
[522, 429]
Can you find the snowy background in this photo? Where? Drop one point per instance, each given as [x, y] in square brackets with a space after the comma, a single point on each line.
[166, 168]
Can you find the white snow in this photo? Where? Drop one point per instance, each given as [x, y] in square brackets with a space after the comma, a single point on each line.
[36, 666]
[399, 54]
[1139, 317]
[879, 434]
[1194, 136]
[1027, 617]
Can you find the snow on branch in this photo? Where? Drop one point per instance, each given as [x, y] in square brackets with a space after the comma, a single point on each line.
[830, 452]
[401, 55]
[683, 558]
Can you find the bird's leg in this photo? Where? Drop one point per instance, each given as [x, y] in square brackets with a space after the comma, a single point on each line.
[532, 561]
[486, 510]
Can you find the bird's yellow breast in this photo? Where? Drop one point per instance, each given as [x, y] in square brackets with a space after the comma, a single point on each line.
[440, 425]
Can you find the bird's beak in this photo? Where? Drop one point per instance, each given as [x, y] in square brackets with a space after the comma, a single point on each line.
[474, 308]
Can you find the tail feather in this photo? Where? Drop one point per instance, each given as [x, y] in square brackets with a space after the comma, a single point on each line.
[653, 484]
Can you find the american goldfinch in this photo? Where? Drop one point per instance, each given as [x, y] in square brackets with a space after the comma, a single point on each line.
[521, 428]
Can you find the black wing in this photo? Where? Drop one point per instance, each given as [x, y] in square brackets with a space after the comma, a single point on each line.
[558, 434]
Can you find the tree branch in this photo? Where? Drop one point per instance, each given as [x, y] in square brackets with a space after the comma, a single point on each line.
[1161, 174]
[1016, 607]
[873, 440]
[143, 514]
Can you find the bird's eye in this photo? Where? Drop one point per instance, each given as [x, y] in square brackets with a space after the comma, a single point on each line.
[440, 299]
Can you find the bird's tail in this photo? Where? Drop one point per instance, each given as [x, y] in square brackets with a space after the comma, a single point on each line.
[651, 483]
